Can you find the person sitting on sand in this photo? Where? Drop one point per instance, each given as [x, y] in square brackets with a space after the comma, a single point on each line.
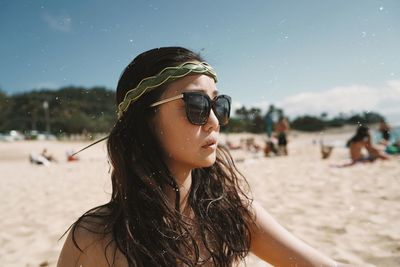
[176, 194]
[48, 156]
[38, 159]
[233, 146]
[362, 140]
[270, 149]
[393, 148]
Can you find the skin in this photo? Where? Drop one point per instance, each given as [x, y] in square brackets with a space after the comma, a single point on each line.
[282, 126]
[183, 145]
[357, 147]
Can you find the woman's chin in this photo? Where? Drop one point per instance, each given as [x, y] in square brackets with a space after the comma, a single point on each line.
[209, 161]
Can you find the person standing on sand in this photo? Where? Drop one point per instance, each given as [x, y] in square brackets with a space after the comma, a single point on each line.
[384, 129]
[269, 121]
[176, 195]
[282, 130]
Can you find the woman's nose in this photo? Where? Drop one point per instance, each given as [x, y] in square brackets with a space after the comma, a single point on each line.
[212, 122]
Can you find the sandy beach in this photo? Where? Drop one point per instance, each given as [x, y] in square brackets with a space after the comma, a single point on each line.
[350, 214]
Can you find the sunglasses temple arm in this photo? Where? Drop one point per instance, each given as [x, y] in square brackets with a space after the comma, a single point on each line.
[167, 100]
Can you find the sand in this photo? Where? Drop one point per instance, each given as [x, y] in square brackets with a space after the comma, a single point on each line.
[350, 214]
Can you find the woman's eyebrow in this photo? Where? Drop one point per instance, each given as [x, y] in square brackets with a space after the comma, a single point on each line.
[213, 94]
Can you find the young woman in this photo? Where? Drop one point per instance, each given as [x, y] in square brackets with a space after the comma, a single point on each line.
[177, 197]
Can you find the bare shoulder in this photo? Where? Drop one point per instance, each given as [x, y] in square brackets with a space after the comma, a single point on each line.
[86, 247]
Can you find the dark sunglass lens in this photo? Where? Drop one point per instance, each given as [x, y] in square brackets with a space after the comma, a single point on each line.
[197, 108]
[222, 109]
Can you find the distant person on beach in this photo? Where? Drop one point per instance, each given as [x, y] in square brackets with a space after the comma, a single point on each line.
[270, 149]
[360, 141]
[384, 129]
[176, 194]
[269, 121]
[282, 130]
[47, 155]
[71, 157]
[38, 159]
[393, 148]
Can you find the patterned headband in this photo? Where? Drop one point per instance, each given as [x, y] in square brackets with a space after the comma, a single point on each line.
[166, 75]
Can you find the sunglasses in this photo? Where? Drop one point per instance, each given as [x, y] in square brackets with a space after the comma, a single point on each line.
[198, 106]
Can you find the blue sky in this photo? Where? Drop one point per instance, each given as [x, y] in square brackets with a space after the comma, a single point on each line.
[304, 56]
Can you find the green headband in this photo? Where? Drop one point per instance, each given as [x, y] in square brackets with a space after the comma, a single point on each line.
[166, 75]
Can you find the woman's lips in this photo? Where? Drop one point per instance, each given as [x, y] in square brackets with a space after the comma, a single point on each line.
[210, 144]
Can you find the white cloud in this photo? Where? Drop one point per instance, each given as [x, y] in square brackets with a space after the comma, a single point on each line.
[58, 23]
[236, 105]
[346, 99]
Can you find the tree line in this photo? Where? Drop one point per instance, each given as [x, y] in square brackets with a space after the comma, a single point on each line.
[70, 109]
[252, 120]
[74, 110]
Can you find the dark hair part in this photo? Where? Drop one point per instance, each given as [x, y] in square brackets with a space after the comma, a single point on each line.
[361, 133]
[143, 225]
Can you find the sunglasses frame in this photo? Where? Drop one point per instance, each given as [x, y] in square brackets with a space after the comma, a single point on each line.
[211, 102]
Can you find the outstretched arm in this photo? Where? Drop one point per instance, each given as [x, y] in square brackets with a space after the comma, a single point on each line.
[274, 244]
[374, 152]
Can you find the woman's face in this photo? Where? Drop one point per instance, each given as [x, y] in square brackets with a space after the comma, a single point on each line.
[186, 146]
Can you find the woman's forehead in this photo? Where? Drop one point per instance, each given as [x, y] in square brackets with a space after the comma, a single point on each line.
[201, 83]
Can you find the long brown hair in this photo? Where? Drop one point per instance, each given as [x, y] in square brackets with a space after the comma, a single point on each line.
[142, 224]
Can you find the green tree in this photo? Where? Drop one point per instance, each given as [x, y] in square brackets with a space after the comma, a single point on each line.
[308, 124]
[71, 109]
[5, 105]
